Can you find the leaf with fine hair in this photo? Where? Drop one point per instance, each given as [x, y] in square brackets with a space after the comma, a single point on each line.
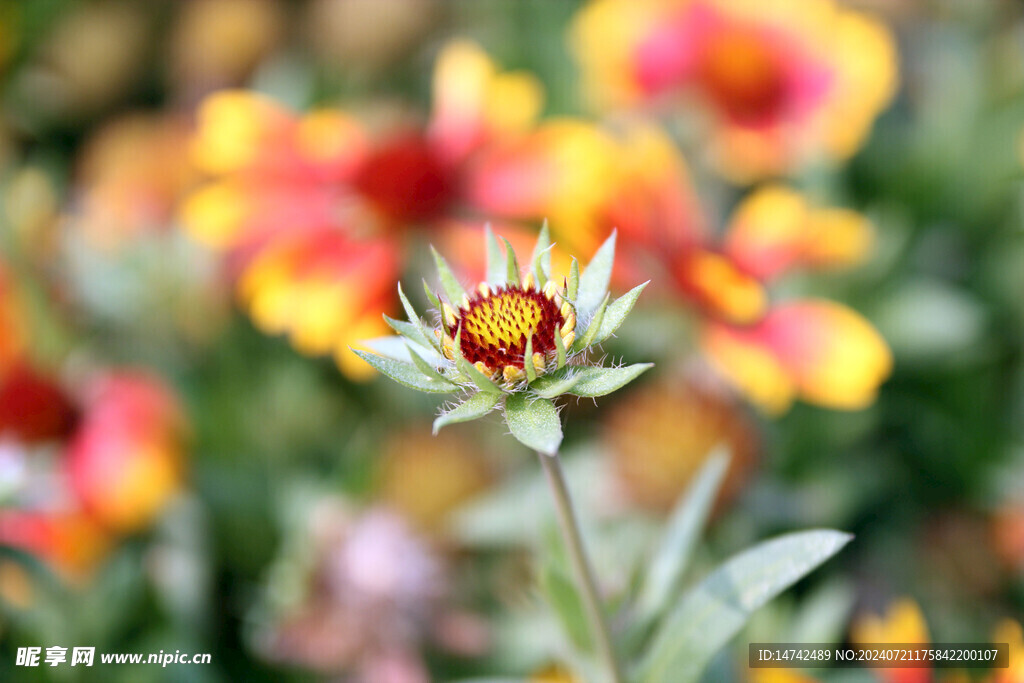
[555, 384]
[593, 283]
[449, 282]
[717, 608]
[585, 339]
[541, 257]
[511, 264]
[495, 261]
[422, 335]
[405, 373]
[534, 423]
[474, 407]
[616, 312]
[594, 382]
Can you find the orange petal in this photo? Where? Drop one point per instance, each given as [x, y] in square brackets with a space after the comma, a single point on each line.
[820, 350]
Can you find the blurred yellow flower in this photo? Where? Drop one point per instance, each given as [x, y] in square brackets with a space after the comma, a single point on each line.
[660, 436]
[426, 478]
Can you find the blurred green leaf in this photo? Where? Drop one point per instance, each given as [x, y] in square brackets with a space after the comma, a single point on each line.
[714, 611]
[684, 528]
[567, 604]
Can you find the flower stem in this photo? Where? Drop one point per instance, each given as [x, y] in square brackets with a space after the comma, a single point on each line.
[581, 564]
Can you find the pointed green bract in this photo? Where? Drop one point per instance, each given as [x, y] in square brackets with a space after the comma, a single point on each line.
[431, 297]
[594, 280]
[540, 271]
[560, 349]
[587, 338]
[555, 384]
[616, 313]
[405, 373]
[474, 407]
[449, 282]
[531, 372]
[541, 257]
[478, 378]
[713, 612]
[495, 261]
[511, 264]
[573, 286]
[594, 382]
[534, 423]
[423, 336]
[424, 367]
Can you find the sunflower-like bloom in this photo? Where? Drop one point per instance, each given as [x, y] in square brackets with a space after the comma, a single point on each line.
[635, 180]
[312, 211]
[518, 341]
[785, 82]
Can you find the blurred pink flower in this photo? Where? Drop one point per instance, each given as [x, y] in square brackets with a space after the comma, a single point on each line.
[372, 594]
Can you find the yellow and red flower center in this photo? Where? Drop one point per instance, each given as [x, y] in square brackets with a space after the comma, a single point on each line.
[743, 76]
[406, 181]
[497, 325]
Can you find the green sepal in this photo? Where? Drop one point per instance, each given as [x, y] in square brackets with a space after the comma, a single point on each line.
[449, 282]
[469, 370]
[405, 374]
[590, 335]
[541, 258]
[425, 367]
[573, 287]
[555, 384]
[616, 313]
[559, 348]
[422, 336]
[531, 372]
[511, 264]
[431, 297]
[495, 262]
[476, 406]
[534, 422]
[594, 382]
[593, 283]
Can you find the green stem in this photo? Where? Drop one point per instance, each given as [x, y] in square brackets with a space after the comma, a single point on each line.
[581, 564]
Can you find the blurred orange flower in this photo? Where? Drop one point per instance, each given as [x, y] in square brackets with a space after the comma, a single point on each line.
[129, 177]
[427, 477]
[12, 323]
[784, 82]
[311, 209]
[589, 181]
[661, 435]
